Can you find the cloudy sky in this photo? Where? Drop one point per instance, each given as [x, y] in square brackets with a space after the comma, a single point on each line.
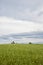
[21, 17]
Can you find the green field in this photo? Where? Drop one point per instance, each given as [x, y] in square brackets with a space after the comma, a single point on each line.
[21, 54]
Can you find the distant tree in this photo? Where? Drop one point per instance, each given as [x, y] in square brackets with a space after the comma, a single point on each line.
[30, 43]
[13, 42]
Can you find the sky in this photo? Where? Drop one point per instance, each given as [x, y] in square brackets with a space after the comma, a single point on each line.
[21, 17]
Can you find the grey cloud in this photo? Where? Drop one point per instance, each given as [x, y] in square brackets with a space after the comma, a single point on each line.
[41, 13]
[20, 9]
[35, 37]
[23, 35]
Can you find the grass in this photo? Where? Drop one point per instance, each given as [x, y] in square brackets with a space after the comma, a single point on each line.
[21, 54]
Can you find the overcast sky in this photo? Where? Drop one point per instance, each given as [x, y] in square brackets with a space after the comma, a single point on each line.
[20, 16]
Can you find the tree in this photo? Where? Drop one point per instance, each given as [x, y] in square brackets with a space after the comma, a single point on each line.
[13, 42]
[30, 43]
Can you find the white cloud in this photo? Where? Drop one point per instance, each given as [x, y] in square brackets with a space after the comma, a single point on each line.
[10, 25]
[31, 11]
